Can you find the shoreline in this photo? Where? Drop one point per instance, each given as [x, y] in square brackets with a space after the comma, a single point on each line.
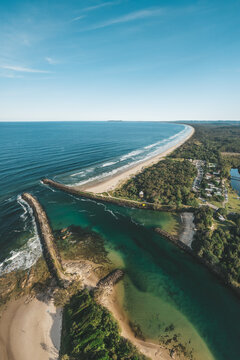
[30, 329]
[112, 182]
[149, 349]
[85, 270]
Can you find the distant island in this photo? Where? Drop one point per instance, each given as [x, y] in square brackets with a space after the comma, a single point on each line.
[115, 120]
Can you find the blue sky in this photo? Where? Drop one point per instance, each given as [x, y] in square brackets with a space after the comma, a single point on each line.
[119, 59]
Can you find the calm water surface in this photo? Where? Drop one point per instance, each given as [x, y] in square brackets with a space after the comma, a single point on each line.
[234, 182]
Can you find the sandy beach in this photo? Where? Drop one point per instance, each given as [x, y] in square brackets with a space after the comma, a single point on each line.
[85, 270]
[151, 350]
[30, 330]
[114, 181]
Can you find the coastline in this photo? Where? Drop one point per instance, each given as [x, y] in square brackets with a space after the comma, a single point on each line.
[149, 349]
[39, 323]
[112, 182]
[85, 270]
[30, 329]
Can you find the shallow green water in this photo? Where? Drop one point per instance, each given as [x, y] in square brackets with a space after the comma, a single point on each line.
[163, 286]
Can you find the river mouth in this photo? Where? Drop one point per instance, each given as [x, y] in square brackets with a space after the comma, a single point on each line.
[162, 283]
[164, 291]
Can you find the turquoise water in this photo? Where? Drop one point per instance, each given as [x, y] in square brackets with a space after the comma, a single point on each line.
[163, 286]
[71, 152]
[235, 183]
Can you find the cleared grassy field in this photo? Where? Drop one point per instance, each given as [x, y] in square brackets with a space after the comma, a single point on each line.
[233, 204]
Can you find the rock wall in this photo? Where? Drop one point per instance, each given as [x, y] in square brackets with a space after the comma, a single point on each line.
[50, 252]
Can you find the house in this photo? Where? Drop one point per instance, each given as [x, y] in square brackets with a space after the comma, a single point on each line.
[221, 218]
[209, 189]
[208, 176]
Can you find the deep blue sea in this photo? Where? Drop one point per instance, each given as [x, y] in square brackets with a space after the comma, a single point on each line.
[163, 286]
[70, 152]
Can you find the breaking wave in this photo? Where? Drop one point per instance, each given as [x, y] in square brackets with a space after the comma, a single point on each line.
[109, 163]
[30, 252]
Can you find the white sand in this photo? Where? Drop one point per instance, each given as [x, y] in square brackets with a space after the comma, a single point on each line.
[30, 331]
[114, 181]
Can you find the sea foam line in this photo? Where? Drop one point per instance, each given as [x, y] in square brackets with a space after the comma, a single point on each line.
[83, 172]
[106, 174]
[29, 253]
[109, 163]
[155, 144]
[131, 154]
[165, 145]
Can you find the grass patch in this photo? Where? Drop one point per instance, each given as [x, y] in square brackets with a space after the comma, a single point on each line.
[233, 204]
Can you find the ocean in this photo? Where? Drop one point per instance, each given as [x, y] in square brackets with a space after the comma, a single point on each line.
[69, 152]
[163, 286]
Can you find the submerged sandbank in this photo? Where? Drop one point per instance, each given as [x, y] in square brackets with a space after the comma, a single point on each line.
[114, 181]
[151, 350]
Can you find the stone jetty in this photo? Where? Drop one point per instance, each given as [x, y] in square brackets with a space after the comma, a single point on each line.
[50, 252]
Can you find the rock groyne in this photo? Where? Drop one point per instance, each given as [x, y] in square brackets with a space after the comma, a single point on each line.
[50, 252]
[111, 199]
[111, 279]
[211, 267]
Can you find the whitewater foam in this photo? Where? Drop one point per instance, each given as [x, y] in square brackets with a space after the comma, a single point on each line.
[155, 144]
[24, 258]
[109, 163]
[104, 175]
[29, 253]
[131, 154]
[108, 210]
[157, 148]
[78, 173]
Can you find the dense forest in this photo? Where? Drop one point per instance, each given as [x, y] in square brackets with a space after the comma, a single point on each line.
[90, 333]
[168, 182]
[211, 142]
[220, 247]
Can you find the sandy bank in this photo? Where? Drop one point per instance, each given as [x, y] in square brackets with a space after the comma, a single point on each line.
[30, 330]
[188, 228]
[85, 270]
[151, 350]
[111, 183]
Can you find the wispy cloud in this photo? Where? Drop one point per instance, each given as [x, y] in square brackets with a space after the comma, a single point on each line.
[22, 69]
[78, 18]
[50, 60]
[133, 16]
[94, 7]
[11, 76]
